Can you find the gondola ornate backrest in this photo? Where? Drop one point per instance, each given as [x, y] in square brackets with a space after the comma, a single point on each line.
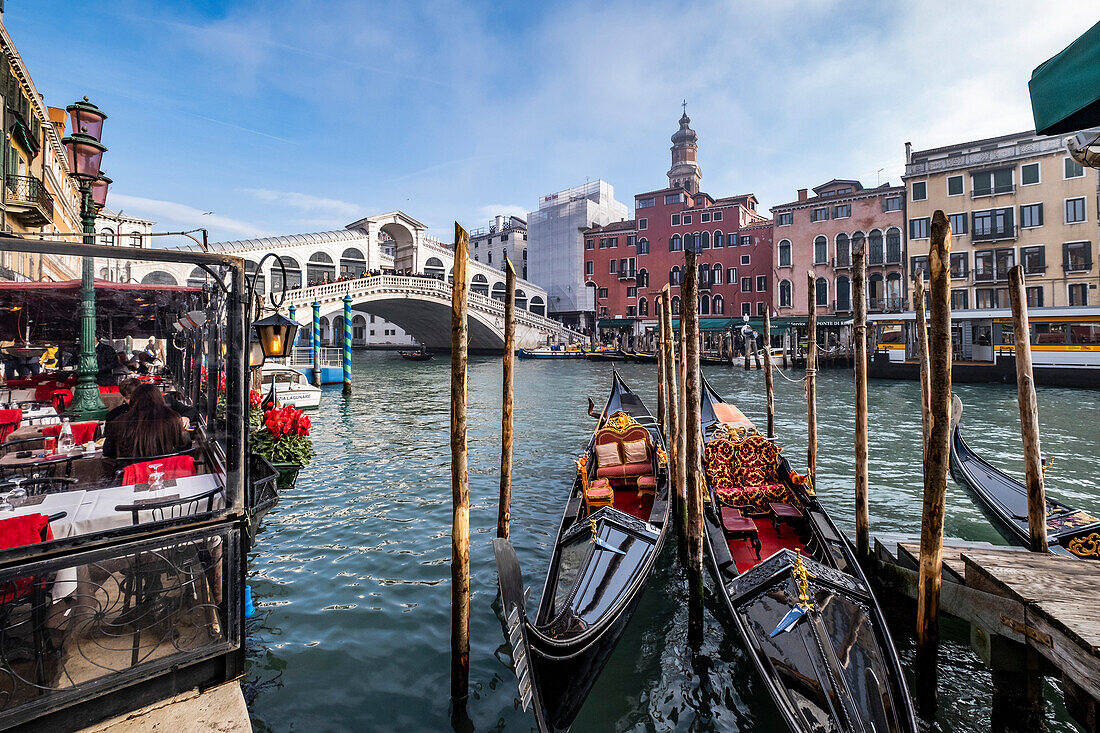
[737, 456]
[620, 430]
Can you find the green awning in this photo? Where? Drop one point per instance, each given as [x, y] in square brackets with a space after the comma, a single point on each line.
[711, 325]
[615, 322]
[707, 325]
[826, 322]
[1065, 90]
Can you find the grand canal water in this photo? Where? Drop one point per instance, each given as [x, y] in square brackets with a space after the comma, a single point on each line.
[351, 576]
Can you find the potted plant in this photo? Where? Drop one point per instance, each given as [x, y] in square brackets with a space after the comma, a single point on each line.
[283, 439]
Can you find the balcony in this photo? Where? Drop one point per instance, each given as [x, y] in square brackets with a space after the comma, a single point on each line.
[628, 275]
[28, 201]
[886, 305]
[995, 191]
[998, 275]
[994, 234]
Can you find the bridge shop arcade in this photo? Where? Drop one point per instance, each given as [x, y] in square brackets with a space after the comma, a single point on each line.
[122, 580]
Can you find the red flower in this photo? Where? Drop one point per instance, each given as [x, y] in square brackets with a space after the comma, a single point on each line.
[254, 398]
[286, 421]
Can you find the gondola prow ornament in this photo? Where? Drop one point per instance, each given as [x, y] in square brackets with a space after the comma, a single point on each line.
[802, 578]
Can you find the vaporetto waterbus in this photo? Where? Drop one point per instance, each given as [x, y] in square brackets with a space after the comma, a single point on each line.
[1065, 346]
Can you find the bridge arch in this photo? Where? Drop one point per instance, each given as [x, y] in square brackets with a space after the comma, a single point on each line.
[499, 292]
[293, 274]
[404, 245]
[352, 263]
[434, 267]
[320, 268]
[159, 277]
[537, 306]
[521, 299]
[252, 272]
[479, 284]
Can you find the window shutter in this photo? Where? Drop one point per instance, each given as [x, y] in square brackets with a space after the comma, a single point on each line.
[1065, 257]
[1040, 217]
[1042, 256]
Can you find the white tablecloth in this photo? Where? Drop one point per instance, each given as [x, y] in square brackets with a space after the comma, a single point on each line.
[97, 510]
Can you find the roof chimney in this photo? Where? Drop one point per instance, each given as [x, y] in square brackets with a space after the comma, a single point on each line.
[801, 195]
[908, 153]
[500, 223]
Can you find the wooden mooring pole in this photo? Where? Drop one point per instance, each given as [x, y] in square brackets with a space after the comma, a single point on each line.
[811, 380]
[460, 476]
[859, 366]
[674, 414]
[504, 506]
[1029, 413]
[769, 383]
[689, 328]
[662, 410]
[921, 324]
[936, 461]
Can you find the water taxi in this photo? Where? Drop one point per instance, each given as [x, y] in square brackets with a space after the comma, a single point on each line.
[557, 351]
[1065, 346]
[291, 386]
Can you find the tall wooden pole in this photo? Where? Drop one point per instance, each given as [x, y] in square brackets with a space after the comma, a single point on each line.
[662, 411]
[681, 445]
[460, 476]
[673, 414]
[811, 380]
[504, 507]
[1029, 413]
[921, 324]
[859, 365]
[769, 383]
[689, 328]
[936, 460]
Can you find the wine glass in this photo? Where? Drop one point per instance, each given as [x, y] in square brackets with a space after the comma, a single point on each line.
[156, 477]
[15, 484]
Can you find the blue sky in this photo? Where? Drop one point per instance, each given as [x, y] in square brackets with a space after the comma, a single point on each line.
[288, 116]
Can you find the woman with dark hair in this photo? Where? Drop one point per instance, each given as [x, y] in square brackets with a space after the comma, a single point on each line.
[148, 428]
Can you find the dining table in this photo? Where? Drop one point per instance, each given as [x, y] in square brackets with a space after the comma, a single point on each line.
[86, 466]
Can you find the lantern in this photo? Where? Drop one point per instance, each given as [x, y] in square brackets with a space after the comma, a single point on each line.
[276, 334]
[99, 191]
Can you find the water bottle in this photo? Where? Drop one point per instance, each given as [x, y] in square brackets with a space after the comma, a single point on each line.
[65, 442]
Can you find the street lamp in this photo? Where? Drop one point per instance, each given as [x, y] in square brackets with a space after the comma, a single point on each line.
[85, 154]
[99, 192]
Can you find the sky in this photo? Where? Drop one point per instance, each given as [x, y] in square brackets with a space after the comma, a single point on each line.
[289, 116]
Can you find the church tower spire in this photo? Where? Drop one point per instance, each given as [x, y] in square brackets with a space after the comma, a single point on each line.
[685, 172]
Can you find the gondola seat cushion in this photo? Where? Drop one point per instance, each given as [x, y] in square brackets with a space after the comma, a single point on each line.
[599, 493]
[647, 483]
[742, 470]
[623, 449]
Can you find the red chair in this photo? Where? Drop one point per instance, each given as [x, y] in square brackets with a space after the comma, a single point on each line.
[82, 431]
[62, 398]
[43, 391]
[170, 466]
[9, 422]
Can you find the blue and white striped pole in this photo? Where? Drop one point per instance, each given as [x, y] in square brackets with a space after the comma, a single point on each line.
[347, 343]
[315, 342]
[298, 333]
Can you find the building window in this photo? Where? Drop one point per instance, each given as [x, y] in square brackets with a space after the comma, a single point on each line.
[589, 268]
[821, 250]
[761, 283]
[674, 276]
[643, 307]
[746, 241]
[673, 198]
[643, 224]
[843, 249]
[716, 275]
[643, 246]
[704, 306]
[719, 308]
[1031, 215]
[920, 190]
[954, 185]
[893, 246]
[611, 265]
[1079, 294]
[675, 220]
[959, 300]
[135, 239]
[731, 275]
[746, 309]
[704, 218]
[960, 265]
[719, 239]
[603, 292]
[675, 244]
[784, 293]
[717, 216]
[644, 203]
[676, 305]
[631, 241]
[761, 306]
[1075, 210]
[643, 278]
[1073, 169]
[891, 203]
[918, 264]
[107, 237]
[874, 248]
[1034, 296]
[687, 218]
[987, 183]
[1077, 256]
[1034, 259]
[992, 224]
[785, 253]
[842, 212]
[746, 285]
[985, 298]
[588, 244]
[918, 228]
[821, 293]
[821, 214]
[983, 266]
[1029, 174]
[784, 219]
[632, 292]
[490, 260]
[745, 259]
[958, 223]
[704, 240]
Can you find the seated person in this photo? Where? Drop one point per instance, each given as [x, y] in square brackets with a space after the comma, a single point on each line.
[149, 428]
[126, 390]
[106, 363]
[176, 401]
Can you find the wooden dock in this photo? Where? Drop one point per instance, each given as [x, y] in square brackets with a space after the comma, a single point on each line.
[1030, 615]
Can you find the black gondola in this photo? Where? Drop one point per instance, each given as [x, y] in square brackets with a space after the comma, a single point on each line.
[418, 355]
[1004, 500]
[606, 355]
[615, 522]
[641, 357]
[793, 588]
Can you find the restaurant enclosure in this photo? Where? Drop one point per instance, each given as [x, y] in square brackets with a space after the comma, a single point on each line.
[122, 582]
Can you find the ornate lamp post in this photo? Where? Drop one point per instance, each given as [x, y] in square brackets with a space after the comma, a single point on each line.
[85, 153]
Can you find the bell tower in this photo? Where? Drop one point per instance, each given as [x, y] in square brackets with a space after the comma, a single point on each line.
[685, 172]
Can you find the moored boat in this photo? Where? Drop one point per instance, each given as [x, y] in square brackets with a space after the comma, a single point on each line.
[1004, 500]
[291, 386]
[605, 353]
[557, 351]
[793, 589]
[613, 529]
[417, 355]
[641, 357]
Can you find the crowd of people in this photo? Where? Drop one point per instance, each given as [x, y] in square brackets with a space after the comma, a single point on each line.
[407, 272]
[112, 363]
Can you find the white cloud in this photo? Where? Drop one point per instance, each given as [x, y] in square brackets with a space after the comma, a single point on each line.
[306, 202]
[169, 213]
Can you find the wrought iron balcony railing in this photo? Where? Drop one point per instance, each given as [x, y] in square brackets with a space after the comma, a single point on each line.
[28, 200]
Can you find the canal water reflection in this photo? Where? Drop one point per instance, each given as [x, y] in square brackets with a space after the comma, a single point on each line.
[351, 575]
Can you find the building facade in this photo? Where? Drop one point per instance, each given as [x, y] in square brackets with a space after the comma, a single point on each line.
[555, 246]
[504, 237]
[627, 263]
[1014, 199]
[38, 196]
[819, 233]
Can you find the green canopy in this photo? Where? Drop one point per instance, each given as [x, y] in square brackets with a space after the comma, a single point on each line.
[615, 322]
[710, 325]
[1065, 90]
